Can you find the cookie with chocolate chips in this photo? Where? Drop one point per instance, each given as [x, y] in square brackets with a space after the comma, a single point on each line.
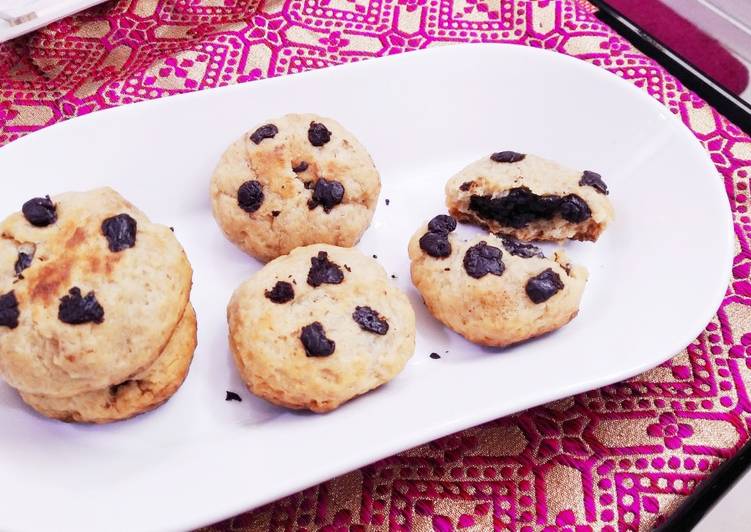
[530, 198]
[317, 327]
[494, 291]
[293, 181]
[95, 296]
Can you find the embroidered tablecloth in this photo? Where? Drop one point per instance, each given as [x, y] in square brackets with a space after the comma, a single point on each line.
[618, 458]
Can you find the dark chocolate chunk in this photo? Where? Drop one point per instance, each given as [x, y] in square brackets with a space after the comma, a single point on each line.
[250, 196]
[543, 286]
[507, 157]
[322, 270]
[594, 180]
[75, 309]
[9, 310]
[435, 356]
[327, 193]
[318, 134]
[22, 262]
[281, 293]
[301, 167]
[464, 187]
[314, 340]
[120, 232]
[232, 396]
[40, 212]
[442, 224]
[521, 249]
[482, 259]
[268, 131]
[517, 208]
[435, 244]
[574, 209]
[369, 320]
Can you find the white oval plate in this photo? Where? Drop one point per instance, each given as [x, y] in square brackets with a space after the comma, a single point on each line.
[656, 276]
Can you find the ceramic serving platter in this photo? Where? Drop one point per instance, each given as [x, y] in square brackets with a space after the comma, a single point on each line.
[656, 276]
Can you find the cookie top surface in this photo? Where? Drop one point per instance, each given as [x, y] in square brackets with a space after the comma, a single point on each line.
[487, 288]
[292, 181]
[319, 326]
[100, 294]
[541, 198]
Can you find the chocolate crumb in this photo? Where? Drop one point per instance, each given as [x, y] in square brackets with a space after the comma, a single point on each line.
[387, 201]
[435, 356]
[275, 213]
[464, 187]
[375, 256]
[301, 167]
[348, 268]
[232, 396]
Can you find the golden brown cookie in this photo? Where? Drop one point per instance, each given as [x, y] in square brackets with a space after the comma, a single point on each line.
[318, 327]
[143, 392]
[493, 291]
[530, 198]
[90, 293]
[292, 181]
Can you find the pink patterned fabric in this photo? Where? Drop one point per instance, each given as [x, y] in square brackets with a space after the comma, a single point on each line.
[621, 457]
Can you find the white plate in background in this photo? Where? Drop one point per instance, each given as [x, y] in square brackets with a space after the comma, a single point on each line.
[19, 17]
[657, 275]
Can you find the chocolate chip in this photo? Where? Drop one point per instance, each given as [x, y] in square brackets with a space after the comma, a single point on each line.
[442, 224]
[75, 309]
[507, 157]
[369, 320]
[318, 134]
[435, 356]
[268, 131]
[232, 396]
[275, 213]
[322, 270]
[314, 340]
[464, 187]
[521, 249]
[435, 244]
[542, 287]
[9, 310]
[250, 196]
[574, 209]
[120, 232]
[594, 180]
[40, 212]
[482, 259]
[301, 167]
[281, 293]
[22, 262]
[326, 193]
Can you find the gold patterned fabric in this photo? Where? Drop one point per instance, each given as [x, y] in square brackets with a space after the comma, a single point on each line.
[618, 458]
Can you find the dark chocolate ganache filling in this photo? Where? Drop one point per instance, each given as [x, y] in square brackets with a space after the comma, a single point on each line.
[521, 207]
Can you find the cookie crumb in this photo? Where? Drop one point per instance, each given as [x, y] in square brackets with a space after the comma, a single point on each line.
[232, 396]
[435, 356]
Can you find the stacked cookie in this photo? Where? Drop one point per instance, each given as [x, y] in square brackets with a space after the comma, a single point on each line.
[498, 289]
[321, 323]
[95, 319]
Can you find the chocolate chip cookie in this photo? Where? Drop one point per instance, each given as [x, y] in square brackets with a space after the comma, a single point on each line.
[319, 326]
[293, 181]
[493, 290]
[91, 292]
[530, 198]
